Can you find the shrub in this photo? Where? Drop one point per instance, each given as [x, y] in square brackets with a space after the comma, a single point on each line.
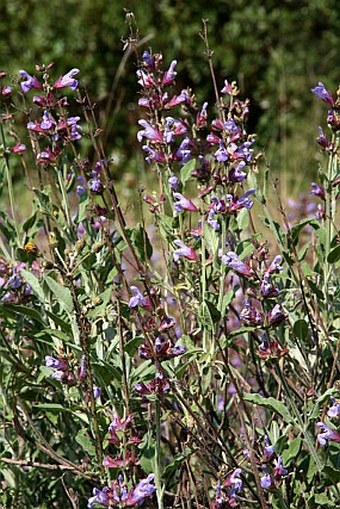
[181, 359]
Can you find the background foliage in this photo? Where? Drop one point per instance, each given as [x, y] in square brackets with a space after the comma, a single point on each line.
[177, 349]
[275, 50]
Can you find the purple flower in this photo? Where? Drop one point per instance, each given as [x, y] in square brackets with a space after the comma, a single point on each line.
[221, 154]
[328, 434]
[67, 80]
[267, 289]
[236, 174]
[183, 97]
[275, 265]
[201, 119]
[148, 59]
[244, 200]
[148, 132]
[333, 120]
[144, 489]
[213, 222]
[233, 129]
[58, 364]
[270, 349]
[138, 299]
[170, 75]
[251, 315]
[322, 93]
[159, 385]
[279, 469]
[213, 139]
[162, 349]
[334, 410]
[19, 148]
[6, 91]
[173, 127]
[318, 191]
[95, 185]
[30, 82]
[47, 122]
[15, 282]
[167, 323]
[266, 481]
[100, 497]
[322, 140]
[96, 392]
[118, 424]
[232, 261]
[183, 153]
[234, 481]
[81, 230]
[74, 128]
[276, 315]
[144, 102]
[81, 187]
[269, 450]
[145, 79]
[227, 89]
[232, 204]
[173, 182]
[187, 252]
[183, 203]
[47, 156]
[153, 155]
[118, 495]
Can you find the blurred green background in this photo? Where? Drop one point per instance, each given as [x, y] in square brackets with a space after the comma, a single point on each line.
[276, 50]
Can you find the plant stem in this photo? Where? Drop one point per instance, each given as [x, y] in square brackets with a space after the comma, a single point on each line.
[9, 180]
[302, 426]
[66, 204]
[158, 466]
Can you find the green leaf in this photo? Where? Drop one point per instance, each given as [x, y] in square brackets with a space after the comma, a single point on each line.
[131, 346]
[301, 329]
[62, 294]
[82, 210]
[331, 474]
[148, 453]
[243, 219]
[292, 451]
[108, 373]
[59, 322]
[167, 225]
[29, 222]
[272, 404]
[323, 500]
[332, 391]
[208, 315]
[83, 439]
[226, 300]
[321, 234]
[247, 249]
[34, 283]
[52, 407]
[296, 230]
[175, 465]
[143, 372]
[312, 469]
[55, 333]
[141, 243]
[213, 311]
[186, 171]
[24, 310]
[211, 238]
[334, 255]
